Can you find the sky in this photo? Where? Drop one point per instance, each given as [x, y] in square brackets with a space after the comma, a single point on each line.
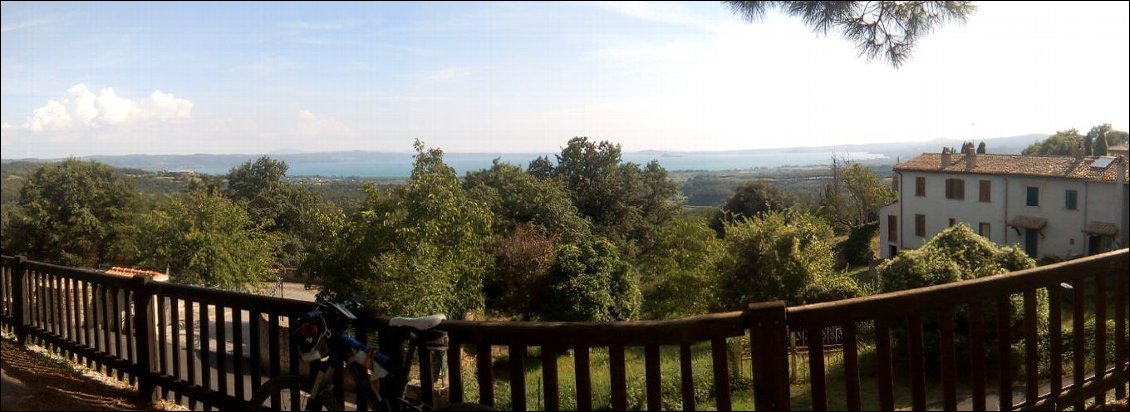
[179, 78]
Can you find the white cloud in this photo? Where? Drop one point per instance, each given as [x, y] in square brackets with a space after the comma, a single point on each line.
[316, 125]
[81, 108]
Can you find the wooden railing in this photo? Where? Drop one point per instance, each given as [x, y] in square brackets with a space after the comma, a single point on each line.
[213, 349]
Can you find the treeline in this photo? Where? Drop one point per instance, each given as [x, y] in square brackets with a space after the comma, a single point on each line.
[582, 236]
[1066, 142]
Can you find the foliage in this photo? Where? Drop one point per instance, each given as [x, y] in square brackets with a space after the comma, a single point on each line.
[523, 259]
[625, 203]
[708, 190]
[751, 199]
[1100, 146]
[856, 249]
[831, 288]
[206, 240]
[677, 275]
[421, 250]
[72, 213]
[1062, 143]
[953, 255]
[879, 28]
[516, 197]
[981, 148]
[280, 207]
[590, 282]
[854, 197]
[772, 256]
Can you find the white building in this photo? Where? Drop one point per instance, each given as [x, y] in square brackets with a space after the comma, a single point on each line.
[1050, 206]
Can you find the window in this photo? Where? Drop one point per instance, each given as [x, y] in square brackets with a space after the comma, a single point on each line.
[892, 228]
[986, 190]
[952, 222]
[920, 186]
[983, 229]
[955, 189]
[920, 225]
[1072, 199]
[1033, 196]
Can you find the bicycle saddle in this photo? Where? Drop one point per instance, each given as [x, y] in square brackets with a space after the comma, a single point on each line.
[420, 323]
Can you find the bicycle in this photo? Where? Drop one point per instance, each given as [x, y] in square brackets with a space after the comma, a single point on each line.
[320, 335]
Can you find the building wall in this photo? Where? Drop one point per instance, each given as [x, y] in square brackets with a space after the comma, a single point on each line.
[1062, 237]
[939, 210]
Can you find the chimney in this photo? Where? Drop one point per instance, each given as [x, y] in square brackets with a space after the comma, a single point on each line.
[970, 158]
[945, 158]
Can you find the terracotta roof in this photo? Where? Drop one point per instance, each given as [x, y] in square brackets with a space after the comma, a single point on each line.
[1101, 228]
[130, 272]
[1028, 222]
[990, 164]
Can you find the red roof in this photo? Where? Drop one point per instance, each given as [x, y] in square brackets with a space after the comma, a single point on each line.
[1016, 165]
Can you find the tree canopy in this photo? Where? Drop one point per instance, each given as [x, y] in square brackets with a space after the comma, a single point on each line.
[880, 29]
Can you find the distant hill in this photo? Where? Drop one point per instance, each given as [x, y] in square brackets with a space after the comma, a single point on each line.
[364, 163]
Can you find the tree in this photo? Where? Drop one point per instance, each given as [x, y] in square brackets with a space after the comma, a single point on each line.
[1091, 140]
[516, 198]
[281, 208]
[523, 260]
[750, 199]
[773, 256]
[590, 282]
[624, 203]
[981, 148]
[1062, 143]
[207, 240]
[540, 168]
[879, 28]
[72, 213]
[678, 274]
[953, 255]
[419, 250]
[1101, 146]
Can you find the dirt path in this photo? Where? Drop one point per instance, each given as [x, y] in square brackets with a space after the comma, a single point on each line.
[36, 382]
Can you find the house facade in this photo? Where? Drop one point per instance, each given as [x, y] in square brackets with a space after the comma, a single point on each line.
[1051, 207]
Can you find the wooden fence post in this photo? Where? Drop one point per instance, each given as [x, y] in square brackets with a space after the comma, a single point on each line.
[19, 300]
[768, 338]
[142, 299]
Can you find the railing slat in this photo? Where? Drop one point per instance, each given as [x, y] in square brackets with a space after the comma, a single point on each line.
[817, 382]
[1004, 348]
[977, 355]
[205, 352]
[1077, 330]
[549, 378]
[851, 367]
[221, 351]
[273, 354]
[237, 354]
[88, 320]
[652, 378]
[454, 371]
[1031, 349]
[130, 316]
[617, 379]
[293, 361]
[917, 362]
[517, 377]
[361, 332]
[721, 363]
[190, 347]
[485, 374]
[174, 313]
[1100, 335]
[1120, 338]
[427, 381]
[885, 367]
[686, 375]
[107, 323]
[255, 347]
[948, 364]
[583, 378]
[1055, 339]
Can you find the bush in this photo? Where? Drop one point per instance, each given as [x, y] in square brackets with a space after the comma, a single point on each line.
[856, 250]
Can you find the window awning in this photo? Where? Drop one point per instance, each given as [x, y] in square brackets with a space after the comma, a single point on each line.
[1028, 222]
[1101, 228]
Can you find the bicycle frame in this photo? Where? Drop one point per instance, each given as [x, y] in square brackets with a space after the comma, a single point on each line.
[397, 374]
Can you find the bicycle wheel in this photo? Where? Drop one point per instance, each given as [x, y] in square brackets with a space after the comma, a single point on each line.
[292, 393]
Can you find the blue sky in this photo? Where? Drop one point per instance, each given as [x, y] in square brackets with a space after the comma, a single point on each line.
[119, 78]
